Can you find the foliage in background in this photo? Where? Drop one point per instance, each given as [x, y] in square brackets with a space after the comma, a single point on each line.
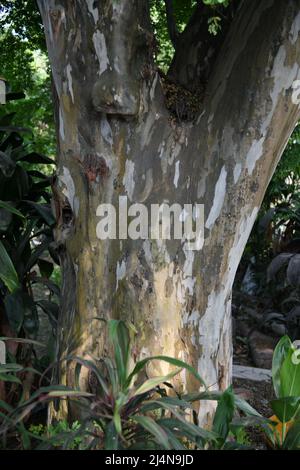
[26, 238]
[127, 410]
[24, 64]
[182, 12]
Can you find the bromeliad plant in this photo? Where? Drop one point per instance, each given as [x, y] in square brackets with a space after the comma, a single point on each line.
[126, 412]
[15, 432]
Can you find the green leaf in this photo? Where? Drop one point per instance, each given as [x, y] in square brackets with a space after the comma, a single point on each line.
[224, 414]
[190, 427]
[119, 337]
[182, 427]
[164, 402]
[215, 2]
[120, 402]
[11, 96]
[153, 428]
[112, 372]
[6, 120]
[9, 207]
[174, 442]
[150, 384]
[170, 360]
[6, 218]
[7, 270]
[68, 393]
[45, 267]
[7, 165]
[54, 288]
[21, 311]
[280, 353]
[292, 440]
[5, 368]
[34, 157]
[207, 395]
[35, 255]
[44, 211]
[242, 405]
[290, 375]
[90, 365]
[51, 309]
[22, 340]
[10, 378]
[111, 438]
[14, 307]
[285, 408]
[19, 183]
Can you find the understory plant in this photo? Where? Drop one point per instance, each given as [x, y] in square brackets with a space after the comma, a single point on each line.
[127, 410]
[27, 255]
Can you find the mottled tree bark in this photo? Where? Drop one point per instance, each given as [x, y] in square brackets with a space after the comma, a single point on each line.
[116, 138]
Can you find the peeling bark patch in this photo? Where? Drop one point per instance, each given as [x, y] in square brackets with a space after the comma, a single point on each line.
[191, 318]
[255, 152]
[283, 75]
[70, 82]
[215, 324]
[153, 87]
[94, 11]
[2, 352]
[148, 129]
[57, 18]
[148, 253]
[120, 272]
[106, 131]
[213, 327]
[169, 287]
[128, 179]
[237, 172]
[61, 125]
[101, 51]
[294, 33]
[148, 186]
[220, 191]
[95, 166]
[176, 176]
[69, 189]
[186, 281]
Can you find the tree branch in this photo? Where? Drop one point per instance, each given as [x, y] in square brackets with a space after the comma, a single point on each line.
[171, 22]
[197, 48]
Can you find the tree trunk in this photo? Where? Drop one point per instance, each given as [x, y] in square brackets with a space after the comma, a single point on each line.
[116, 137]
